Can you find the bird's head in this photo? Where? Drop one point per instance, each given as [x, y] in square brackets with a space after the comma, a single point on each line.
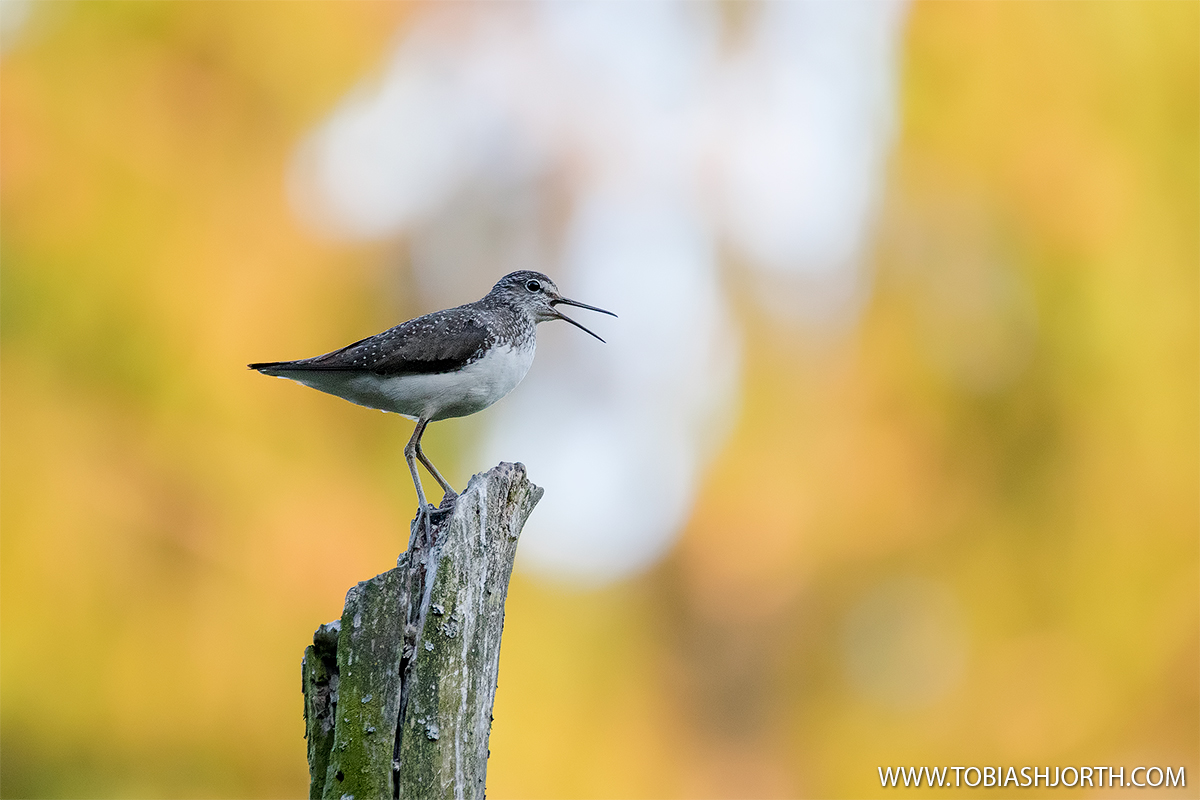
[536, 296]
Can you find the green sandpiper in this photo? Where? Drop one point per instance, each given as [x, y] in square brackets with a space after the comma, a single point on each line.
[446, 364]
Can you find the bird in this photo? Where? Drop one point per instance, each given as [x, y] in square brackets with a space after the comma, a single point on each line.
[446, 364]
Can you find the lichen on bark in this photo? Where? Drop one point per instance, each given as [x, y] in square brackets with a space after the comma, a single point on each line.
[398, 699]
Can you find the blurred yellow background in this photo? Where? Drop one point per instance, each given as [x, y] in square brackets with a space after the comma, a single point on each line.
[967, 533]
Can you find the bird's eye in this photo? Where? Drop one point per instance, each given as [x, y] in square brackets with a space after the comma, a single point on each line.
[533, 286]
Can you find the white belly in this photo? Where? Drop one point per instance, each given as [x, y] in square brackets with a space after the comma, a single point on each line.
[431, 397]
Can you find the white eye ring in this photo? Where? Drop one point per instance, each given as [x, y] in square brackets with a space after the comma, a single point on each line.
[533, 286]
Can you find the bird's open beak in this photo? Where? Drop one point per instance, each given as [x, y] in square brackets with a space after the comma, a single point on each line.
[567, 302]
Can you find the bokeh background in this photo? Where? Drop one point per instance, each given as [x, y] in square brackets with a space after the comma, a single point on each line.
[914, 483]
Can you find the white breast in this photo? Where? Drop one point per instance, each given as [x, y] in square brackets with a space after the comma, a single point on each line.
[457, 394]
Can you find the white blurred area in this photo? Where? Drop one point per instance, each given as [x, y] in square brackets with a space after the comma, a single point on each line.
[13, 16]
[621, 148]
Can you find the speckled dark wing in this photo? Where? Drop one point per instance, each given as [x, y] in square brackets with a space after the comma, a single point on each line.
[439, 342]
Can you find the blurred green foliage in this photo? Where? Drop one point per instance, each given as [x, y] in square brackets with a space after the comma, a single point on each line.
[964, 534]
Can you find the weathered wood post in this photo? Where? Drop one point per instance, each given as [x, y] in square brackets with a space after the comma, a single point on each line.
[398, 692]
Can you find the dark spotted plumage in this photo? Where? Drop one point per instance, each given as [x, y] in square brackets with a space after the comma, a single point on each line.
[439, 342]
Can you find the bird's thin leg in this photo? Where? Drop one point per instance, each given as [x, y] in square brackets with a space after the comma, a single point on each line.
[424, 459]
[410, 455]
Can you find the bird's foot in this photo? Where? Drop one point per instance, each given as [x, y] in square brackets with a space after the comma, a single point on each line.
[428, 514]
[424, 524]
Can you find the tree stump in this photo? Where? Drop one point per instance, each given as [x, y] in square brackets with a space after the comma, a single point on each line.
[398, 693]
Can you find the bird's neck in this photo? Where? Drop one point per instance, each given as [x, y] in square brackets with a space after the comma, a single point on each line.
[513, 321]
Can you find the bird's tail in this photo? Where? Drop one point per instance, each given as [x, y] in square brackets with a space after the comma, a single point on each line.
[271, 367]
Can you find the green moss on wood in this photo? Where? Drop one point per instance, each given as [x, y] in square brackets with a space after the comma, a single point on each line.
[447, 600]
[320, 684]
[368, 661]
